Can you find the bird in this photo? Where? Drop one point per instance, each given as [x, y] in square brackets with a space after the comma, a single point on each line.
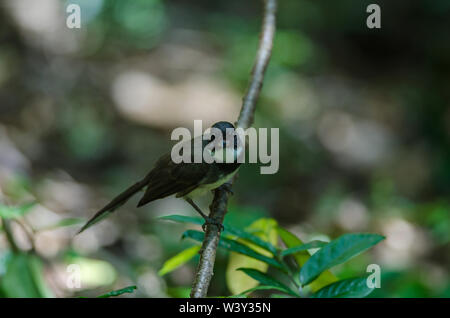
[187, 180]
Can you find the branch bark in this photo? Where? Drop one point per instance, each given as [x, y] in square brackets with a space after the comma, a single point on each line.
[218, 207]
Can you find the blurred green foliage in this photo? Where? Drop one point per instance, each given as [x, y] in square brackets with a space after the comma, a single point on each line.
[364, 138]
[259, 252]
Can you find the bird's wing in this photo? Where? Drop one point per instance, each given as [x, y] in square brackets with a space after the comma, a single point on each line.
[169, 178]
[165, 179]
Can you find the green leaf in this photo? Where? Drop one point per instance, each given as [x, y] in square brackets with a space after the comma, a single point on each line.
[179, 292]
[9, 212]
[242, 249]
[336, 252]
[24, 278]
[237, 281]
[182, 219]
[195, 235]
[62, 223]
[301, 257]
[260, 287]
[303, 247]
[261, 225]
[5, 257]
[114, 293]
[179, 259]
[37, 267]
[347, 288]
[267, 280]
[234, 246]
[228, 230]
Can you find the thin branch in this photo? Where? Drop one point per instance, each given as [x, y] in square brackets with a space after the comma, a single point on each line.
[218, 207]
[262, 60]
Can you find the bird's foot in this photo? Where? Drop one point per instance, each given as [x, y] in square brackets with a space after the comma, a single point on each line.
[212, 221]
[208, 220]
[227, 187]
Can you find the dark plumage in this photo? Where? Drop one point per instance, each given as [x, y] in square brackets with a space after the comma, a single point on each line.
[183, 179]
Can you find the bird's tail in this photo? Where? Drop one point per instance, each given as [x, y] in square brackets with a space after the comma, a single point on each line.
[115, 203]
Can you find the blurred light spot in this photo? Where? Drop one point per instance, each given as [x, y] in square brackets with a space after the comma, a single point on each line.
[352, 215]
[144, 98]
[86, 243]
[133, 90]
[168, 205]
[44, 24]
[180, 60]
[151, 284]
[404, 243]
[356, 142]
[40, 217]
[11, 159]
[183, 276]
[89, 9]
[295, 96]
[64, 194]
[101, 234]
[20, 236]
[146, 247]
[39, 16]
[399, 234]
[94, 273]
[48, 243]
[107, 232]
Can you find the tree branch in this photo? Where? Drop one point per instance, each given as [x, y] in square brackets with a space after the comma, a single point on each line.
[218, 207]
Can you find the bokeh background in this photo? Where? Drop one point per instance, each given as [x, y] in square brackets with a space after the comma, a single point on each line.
[363, 114]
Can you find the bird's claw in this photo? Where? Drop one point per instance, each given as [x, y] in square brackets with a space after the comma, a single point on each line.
[212, 221]
[227, 188]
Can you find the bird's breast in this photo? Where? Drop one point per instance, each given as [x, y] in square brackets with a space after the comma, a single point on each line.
[204, 188]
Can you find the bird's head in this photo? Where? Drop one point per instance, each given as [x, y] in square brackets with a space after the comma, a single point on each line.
[224, 142]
